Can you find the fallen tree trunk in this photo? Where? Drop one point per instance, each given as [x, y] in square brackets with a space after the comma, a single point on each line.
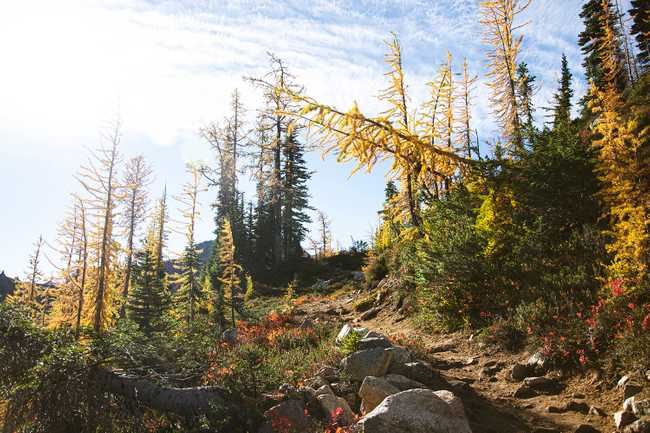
[180, 401]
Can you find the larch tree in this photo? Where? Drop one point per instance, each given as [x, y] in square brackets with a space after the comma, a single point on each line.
[82, 264]
[623, 162]
[464, 130]
[137, 178]
[325, 233]
[190, 293]
[392, 135]
[640, 12]
[498, 19]
[99, 179]
[229, 270]
[563, 97]
[30, 292]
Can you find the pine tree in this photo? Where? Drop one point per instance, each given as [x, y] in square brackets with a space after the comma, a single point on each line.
[31, 292]
[229, 270]
[190, 294]
[640, 12]
[598, 15]
[295, 197]
[562, 108]
[498, 18]
[147, 300]
[525, 91]
[465, 114]
[136, 178]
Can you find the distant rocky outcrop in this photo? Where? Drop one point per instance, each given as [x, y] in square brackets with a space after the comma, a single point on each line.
[7, 286]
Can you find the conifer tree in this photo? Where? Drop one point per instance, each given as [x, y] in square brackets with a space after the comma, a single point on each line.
[525, 91]
[295, 197]
[190, 293]
[147, 300]
[136, 178]
[640, 12]
[325, 233]
[31, 292]
[229, 270]
[465, 115]
[498, 18]
[99, 179]
[562, 108]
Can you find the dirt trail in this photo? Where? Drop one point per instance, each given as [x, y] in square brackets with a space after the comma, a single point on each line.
[482, 375]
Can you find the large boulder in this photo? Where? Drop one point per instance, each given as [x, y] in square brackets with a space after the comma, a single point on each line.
[422, 372]
[373, 343]
[373, 391]
[372, 362]
[337, 409]
[400, 356]
[402, 382]
[289, 414]
[416, 411]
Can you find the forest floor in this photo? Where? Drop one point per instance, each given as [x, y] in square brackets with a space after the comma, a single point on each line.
[489, 398]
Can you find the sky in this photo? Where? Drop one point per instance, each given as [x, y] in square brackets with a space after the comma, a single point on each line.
[167, 68]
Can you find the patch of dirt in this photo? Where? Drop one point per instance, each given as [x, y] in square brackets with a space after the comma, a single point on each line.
[489, 394]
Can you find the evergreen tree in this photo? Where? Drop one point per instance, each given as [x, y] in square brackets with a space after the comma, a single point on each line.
[640, 12]
[598, 15]
[229, 270]
[147, 300]
[295, 197]
[562, 108]
[525, 91]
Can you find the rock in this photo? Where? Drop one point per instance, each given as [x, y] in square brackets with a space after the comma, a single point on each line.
[524, 392]
[325, 389]
[400, 355]
[373, 391]
[373, 342]
[373, 334]
[623, 418]
[578, 395]
[370, 314]
[459, 387]
[316, 382]
[622, 381]
[337, 409]
[345, 331]
[631, 389]
[586, 428]
[577, 406]
[416, 411]
[402, 382]
[342, 388]
[519, 372]
[472, 360]
[353, 400]
[628, 403]
[373, 362]
[638, 426]
[422, 372]
[328, 373]
[358, 276]
[307, 323]
[290, 413]
[555, 409]
[229, 335]
[445, 346]
[538, 361]
[593, 410]
[543, 384]
[641, 407]
[488, 372]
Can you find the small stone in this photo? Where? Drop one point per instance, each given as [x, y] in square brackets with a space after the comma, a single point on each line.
[641, 407]
[337, 408]
[586, 428]
[471, 360]
[325, 389]
[622, 381]
[294, 412]
[631, 389]
[538, 361]
[596, 411]
[578, 395]
[555, 409]
[543, 384]
[520, 372]
[328, 373]
[370, 314]
[524, 392]
[622, 418]
[577, 406]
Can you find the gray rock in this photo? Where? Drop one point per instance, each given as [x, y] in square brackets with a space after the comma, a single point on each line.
[342, 388]
[422, 372]
[519, 372]
[400, 355]
[543, 384]
[402, 382]
[324, 390]
[373, 362]
[229, 335]
[328, 373]
[345, 331]
[374, 334]
[370, 314]
[524, 392]
[577, 406]
[373, 391]
[316, 382]
[291, 412]
[416, 411]
[337, 409]
[641, 407]
[593, 410]
[631, 389]
[539, 362]
[638, 426]
[623, 418]
[373, 343]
